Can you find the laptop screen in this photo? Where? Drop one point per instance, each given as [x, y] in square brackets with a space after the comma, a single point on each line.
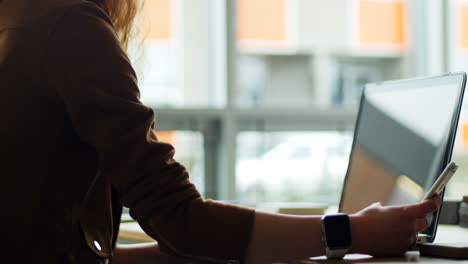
[402, 141]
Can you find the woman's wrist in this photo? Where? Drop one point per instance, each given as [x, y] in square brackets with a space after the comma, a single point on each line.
[356, 233]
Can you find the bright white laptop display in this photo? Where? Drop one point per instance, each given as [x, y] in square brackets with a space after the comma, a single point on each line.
[403, 139]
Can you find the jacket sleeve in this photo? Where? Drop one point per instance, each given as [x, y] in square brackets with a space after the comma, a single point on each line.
[94, 78]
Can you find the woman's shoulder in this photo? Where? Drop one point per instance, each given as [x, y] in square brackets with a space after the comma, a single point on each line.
[43, 15]
[84, 38]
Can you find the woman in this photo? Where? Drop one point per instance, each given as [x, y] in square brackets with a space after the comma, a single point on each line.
[79, 145]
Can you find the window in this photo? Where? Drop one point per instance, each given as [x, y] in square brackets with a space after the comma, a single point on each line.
[178, 65]
[260, 96]
[456, 56]
[189, 147]
[458, 185]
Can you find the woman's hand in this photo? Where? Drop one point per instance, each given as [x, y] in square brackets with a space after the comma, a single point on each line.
[390, 230]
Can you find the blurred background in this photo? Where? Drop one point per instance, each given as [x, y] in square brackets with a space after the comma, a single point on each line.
[260, 96]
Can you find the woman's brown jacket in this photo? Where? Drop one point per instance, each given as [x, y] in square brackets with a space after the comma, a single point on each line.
[73, 132]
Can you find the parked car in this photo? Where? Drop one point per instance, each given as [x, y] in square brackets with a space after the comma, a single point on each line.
[295, 170]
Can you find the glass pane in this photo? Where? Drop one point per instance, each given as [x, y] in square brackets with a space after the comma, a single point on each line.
[306, 167]
[458, 185]
[176, 62]
[457, 60]
[457, 22]
[287, 58]
[159, 83]
[189, 152]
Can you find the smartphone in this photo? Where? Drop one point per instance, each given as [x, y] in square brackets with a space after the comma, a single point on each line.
[442, 180]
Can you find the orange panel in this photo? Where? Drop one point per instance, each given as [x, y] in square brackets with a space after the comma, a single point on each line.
[381, 22]
[158, 14]
[261, 19]
[166, 136]
[465, 135]
[464, 25]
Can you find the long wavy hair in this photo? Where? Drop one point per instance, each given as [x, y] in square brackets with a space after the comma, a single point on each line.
[122, 13]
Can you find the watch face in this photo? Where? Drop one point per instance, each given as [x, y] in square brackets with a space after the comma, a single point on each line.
[337, 231]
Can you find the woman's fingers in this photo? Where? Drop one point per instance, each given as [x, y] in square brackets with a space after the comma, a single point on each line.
[425, 207]
[377, 223]
[421, 224]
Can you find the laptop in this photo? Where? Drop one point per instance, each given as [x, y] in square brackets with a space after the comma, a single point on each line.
[403, 139]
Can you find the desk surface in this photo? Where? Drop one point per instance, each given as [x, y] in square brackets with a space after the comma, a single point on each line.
[445, 233]
[412, 256]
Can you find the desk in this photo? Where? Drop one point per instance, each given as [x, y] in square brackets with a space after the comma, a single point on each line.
[445, 233]
[131, 231]
[412, 256]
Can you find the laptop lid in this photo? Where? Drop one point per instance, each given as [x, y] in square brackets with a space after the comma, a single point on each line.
[403, 139]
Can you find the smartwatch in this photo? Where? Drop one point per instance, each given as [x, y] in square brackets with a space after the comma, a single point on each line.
[336, 235]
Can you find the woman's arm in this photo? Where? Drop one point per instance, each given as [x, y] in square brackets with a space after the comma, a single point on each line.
[283, 238]
[376, 230]
[97, 93]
